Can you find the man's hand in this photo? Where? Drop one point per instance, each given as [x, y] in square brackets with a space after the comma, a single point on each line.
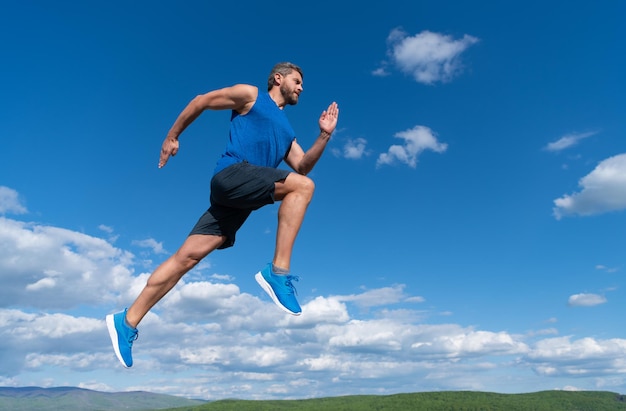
[169, 148]
[328, 119]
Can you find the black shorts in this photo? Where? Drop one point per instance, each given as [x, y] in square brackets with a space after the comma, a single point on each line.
[236, 191]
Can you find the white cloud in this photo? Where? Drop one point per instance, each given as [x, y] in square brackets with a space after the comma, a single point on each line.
[310, 359]
[154, 245]
[355, 149]
[571, 388]
[568, 141]
[321, 310]
[586, 300]
[10, 202]
[213, 340]
[603, 190]
[109, 230]
[416, 140]
[49, 267]
[545, 331]
[375, 335]
[222, 277]
[459, 342]
[376, 297]
[586, 356]
[607, 269]
[106, 228]
[380, 72]
[428, 57]
[31, 341]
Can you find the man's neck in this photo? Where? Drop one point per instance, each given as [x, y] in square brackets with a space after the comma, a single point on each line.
[277, 97]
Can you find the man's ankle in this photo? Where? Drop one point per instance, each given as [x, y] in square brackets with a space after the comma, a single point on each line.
[279, 270]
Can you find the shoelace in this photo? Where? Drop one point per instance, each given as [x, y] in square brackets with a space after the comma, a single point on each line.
[133, 336]
[290, 285]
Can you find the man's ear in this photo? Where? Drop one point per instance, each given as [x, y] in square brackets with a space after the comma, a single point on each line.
[278, 78]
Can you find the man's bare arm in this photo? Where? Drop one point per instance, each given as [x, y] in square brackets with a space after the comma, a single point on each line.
[303, 163]
[239, 97]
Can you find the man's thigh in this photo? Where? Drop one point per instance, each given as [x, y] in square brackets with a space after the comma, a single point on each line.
[198, 246]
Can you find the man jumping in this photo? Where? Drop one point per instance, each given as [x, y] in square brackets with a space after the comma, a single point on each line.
[245, 179]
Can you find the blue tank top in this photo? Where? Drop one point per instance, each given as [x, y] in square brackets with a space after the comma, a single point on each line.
[261, 137]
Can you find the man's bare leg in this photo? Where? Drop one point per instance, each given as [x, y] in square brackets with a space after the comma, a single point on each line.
[295, 194]
[122, 326]
[167, 275]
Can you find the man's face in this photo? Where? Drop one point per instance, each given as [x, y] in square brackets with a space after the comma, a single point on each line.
[291, 87]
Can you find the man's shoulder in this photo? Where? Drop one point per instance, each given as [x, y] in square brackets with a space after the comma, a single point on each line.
[246, 91]
[244, 96]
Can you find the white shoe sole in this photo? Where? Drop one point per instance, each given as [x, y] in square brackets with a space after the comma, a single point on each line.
[113, 334]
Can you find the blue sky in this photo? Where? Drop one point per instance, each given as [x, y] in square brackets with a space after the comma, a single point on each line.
[466, 231]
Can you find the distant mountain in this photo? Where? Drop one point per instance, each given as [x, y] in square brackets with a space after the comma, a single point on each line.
[79, 399]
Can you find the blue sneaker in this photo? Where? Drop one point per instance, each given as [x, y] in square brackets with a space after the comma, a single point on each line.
[122, 337]
[280, 288]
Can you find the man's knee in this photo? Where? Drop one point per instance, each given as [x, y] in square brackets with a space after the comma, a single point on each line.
[308, 185]
[303, 184]
[295, 183]
[187, 260]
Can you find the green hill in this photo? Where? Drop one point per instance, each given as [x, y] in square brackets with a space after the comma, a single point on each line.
[78, 399]
[435, 401]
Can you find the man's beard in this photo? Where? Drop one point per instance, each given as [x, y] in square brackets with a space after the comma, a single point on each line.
[290, 96]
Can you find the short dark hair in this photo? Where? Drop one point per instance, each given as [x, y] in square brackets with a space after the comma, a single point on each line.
[285, 69]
